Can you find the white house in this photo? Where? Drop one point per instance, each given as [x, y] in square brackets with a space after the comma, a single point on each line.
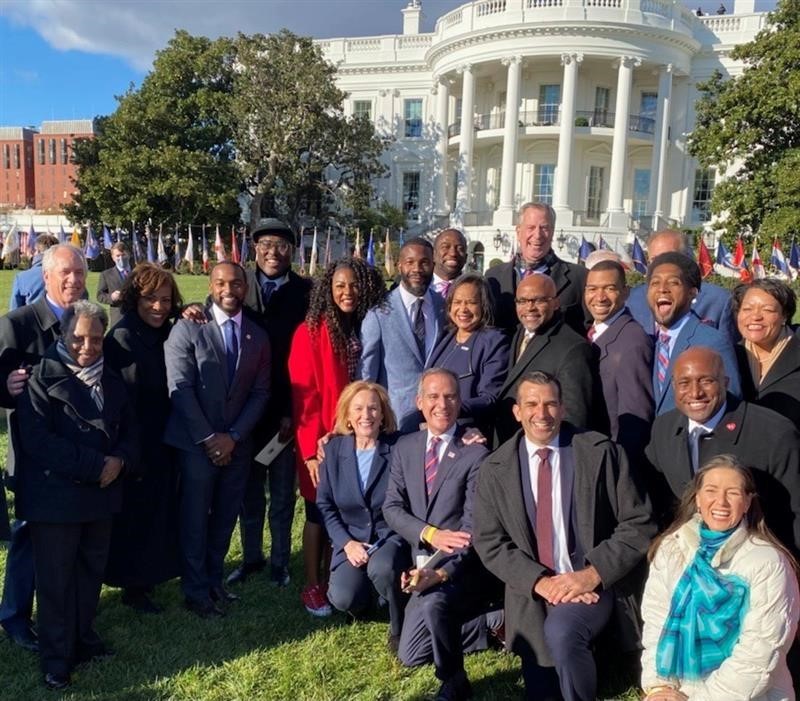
[585, 104]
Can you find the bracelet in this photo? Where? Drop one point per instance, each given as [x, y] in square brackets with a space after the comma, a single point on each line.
[442, 574]
[648, 690]
[428, 532]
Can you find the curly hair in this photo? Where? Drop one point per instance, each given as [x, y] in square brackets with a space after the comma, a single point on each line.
[145, 279]
[371, 290]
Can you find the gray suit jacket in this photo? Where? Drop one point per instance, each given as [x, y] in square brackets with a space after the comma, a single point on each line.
[202, 400]
[390, 354]
[613, 523]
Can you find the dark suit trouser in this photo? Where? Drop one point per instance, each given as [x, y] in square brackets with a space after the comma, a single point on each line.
[209, 503]
[282, 473]
[569, 630]
[351, 588]
[442, 623]
[70, 559]
[18, 587]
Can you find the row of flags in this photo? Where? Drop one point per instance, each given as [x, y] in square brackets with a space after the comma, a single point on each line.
[370, 254]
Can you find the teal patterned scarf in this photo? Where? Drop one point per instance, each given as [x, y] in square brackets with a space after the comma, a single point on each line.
[705, 615]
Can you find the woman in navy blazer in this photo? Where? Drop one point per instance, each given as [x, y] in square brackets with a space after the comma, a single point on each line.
[473, 350]
[367, 556]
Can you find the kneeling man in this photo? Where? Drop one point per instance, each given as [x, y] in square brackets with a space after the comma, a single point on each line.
[559, 519]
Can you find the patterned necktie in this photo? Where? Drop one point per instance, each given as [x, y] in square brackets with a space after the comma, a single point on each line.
[662, 358]
[444, 288]
[431, 463]
[544, 509]
[526, 339]
[231, 348]
[267, 288]
[418, 319]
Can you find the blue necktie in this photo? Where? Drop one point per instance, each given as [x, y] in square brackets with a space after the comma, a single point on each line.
[231, 348]
[267, 288]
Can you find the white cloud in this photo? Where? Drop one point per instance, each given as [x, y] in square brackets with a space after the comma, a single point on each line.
[135, 29]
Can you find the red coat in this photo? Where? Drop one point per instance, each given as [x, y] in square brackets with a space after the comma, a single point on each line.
[318, 377]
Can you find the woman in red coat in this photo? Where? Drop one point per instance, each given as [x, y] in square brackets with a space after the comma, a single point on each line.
[325, 357]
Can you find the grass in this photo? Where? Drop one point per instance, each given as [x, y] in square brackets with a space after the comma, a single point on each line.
[267, 647]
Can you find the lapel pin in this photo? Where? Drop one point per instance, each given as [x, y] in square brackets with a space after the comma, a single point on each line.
[451, 455]
[247, 336]
[730, 426]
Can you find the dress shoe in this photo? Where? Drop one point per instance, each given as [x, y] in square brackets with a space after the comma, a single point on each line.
[220, 595]
[279, 576]
[456, 688]
[393, 643]
[24, 638]
[56, 682]
[203, 608]
[138, 600]
[244, 570]
[94, 653]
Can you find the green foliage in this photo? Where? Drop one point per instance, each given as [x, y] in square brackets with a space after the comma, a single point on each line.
[384, 216]
[752, 119]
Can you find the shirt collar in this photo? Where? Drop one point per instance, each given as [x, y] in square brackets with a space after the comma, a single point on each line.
[221, 317]
[603, 325]
[711, 424]
[279, 281]
[447, 436]
[58, 311]
[532, 447]
[408, 298]
[675, 329]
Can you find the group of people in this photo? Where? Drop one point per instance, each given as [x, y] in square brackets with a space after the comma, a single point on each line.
[494, 459]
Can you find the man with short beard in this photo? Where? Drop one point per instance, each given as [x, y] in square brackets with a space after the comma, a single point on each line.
[398, 335]
[449, 259]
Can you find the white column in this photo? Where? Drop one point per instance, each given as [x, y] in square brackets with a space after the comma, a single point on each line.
[505, 212]
[617, 217]
[660, 141]
[463, 198]
[566, 135]
[442, 92]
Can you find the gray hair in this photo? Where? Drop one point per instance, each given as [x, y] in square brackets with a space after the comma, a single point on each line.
[683, 240]
[82, 308]
[48, 257]
[436, 371]
[542, 207]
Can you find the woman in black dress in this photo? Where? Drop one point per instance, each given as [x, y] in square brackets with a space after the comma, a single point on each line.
[144, 542]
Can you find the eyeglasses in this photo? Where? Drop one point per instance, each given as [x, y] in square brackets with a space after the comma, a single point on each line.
[535, 301]
[278, 246]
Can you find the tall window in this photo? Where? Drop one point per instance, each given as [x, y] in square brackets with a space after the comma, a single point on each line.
[362, 107]
[649, 105]
[411, 194]
[641, 192]
[543, 174]
[703, 189]
[594, 196]
[64, 153]
[549, 101]
[17, 159]
[412, 114]
[457, 112]
[6, 156]
[52, 149]
[602, 97]
[40, 149]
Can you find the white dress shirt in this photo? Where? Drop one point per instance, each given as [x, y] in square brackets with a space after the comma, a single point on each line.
[698, 430]
[221, 318]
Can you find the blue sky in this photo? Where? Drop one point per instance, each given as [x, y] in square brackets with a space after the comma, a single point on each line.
[67, 59]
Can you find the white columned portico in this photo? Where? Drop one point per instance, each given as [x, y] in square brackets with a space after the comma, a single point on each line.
[565, 136]
[441, 88]
[463, 198]
[616, 215]
[660, 143]
[504, 215]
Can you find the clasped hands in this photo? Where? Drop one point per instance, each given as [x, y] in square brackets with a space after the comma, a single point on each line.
[570, 587]
[219, 448]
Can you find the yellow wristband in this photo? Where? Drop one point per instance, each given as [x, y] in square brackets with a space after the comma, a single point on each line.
[428, 533]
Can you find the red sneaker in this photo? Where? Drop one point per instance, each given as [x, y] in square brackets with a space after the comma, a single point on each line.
[315, 602]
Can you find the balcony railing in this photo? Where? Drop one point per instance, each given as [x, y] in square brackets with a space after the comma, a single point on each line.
[548, 117]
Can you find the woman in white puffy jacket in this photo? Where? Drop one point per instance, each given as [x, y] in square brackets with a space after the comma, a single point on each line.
[721, 603]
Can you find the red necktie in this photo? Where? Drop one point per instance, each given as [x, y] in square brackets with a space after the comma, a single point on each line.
[591, 333]
[431, 463]
[544, 509]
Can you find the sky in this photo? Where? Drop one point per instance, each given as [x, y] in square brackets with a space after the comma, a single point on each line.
[68, 59]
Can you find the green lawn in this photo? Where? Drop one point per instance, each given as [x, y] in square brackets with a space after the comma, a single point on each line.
[268, 647]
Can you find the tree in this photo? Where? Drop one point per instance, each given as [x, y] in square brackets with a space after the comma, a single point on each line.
[294, 145]
[167, 152]
[751, 121]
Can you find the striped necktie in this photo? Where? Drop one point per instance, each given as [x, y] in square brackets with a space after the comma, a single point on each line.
[431, 463]
[662, 358]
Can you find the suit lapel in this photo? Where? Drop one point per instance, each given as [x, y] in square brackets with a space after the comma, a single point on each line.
[786, 363]
[538, 343]
[247, 352]
[611, 334]
[404, 325]
[682, 342]
[378, 467]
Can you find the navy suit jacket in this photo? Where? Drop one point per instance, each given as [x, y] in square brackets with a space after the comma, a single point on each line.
[407, 508]
[390, 354]
[696, 333]
[625, 357]
[203, 402]
[349, 513]
[712, 305]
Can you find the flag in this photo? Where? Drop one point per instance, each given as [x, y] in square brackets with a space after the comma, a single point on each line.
[107, 243]
[119, 234]
[11, 247]
[245, 251]
[585, 249]
[312, 263]
[177, 252]
[31, 242]
[219, 248]
[357, 249]
[401, 239]
[92, 249]
[163, 258]
[739, 259]
[328, 248]
[136, 245]
[205, 250]
[794, 256]
[602, 245]
[624, 256]
[75, 240]
[188, 256]
[724, 257]
[388, 257]
[704, 259]
[778, 260]
[639, 259]
[62, 235]
[755, 263]
[151, 256]
[301, 255]
[371, 251]
[234, 247]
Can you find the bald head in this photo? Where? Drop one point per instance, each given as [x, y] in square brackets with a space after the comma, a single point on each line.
[666, 241]
[699, 383]
[536, 301]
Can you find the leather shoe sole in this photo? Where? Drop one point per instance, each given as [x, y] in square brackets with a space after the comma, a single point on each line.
[242, 572]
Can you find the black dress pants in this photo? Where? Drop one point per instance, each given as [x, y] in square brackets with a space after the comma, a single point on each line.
[69, 561]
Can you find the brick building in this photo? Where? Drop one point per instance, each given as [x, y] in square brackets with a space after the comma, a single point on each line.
[17, 188]
[52, 154]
